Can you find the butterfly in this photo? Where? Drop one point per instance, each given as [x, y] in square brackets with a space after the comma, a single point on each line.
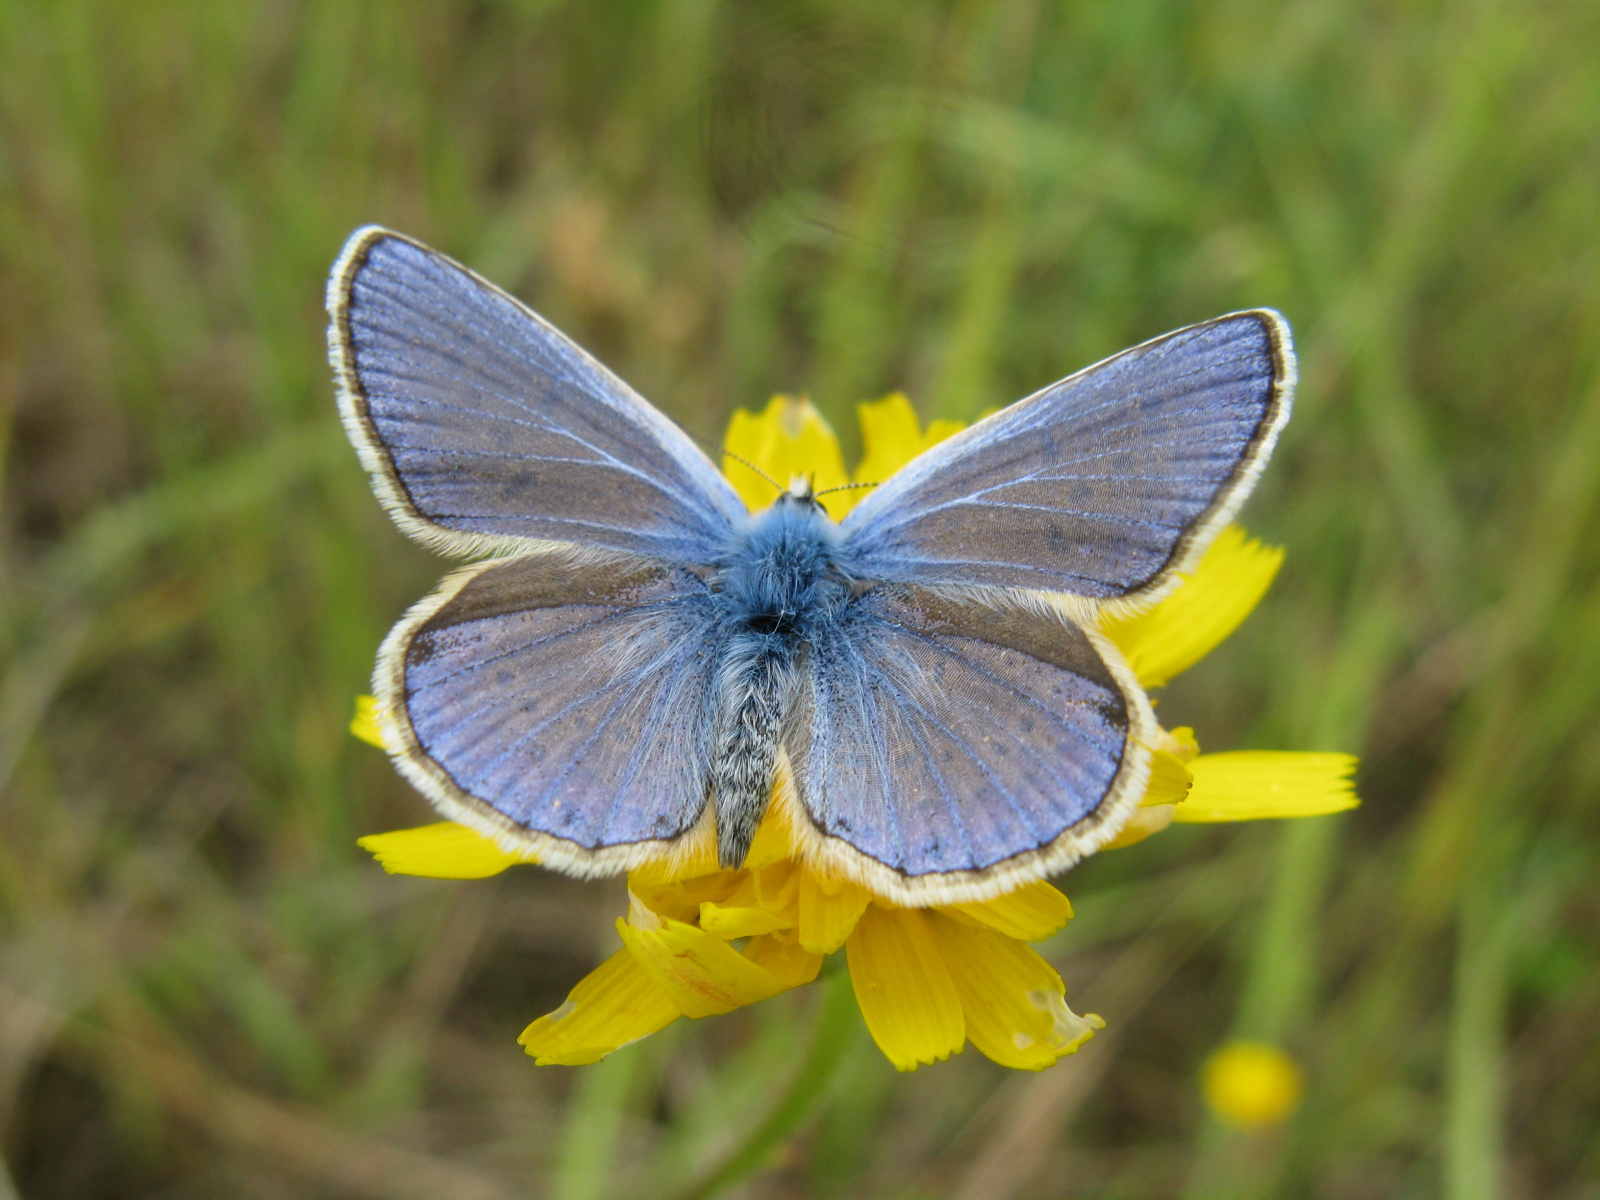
[634, 664]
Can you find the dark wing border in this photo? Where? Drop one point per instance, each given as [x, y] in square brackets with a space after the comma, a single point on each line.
[834, 856]
[1197, 539]
[456, 804]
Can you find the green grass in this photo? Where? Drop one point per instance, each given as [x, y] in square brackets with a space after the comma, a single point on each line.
[205, 990]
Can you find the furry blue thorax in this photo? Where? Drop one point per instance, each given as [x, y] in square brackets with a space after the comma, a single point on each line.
[785, 572]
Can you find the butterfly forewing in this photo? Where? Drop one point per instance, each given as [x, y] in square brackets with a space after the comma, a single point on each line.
[484, 426]
[561, 702]
[1099, 485]
[935, 737]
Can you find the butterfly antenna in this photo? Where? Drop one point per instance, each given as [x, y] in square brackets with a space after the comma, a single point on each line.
[844, 487]
[739, 458]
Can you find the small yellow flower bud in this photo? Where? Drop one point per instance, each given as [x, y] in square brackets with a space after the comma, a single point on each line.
[1251, 1085]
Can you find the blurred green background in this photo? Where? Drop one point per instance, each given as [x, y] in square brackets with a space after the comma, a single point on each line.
[207, 991]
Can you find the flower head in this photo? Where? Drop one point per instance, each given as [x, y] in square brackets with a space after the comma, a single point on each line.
[699, 939]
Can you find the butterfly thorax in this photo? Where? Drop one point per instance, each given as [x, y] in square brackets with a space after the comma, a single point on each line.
[781, 582]
[784, 571]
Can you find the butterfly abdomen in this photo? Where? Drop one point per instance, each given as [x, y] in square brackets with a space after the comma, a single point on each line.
[754, 685]
[778, 585]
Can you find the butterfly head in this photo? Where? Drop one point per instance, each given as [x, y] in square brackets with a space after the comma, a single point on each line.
[800, 494]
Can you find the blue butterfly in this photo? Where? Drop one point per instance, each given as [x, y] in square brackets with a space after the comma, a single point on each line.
[643, 665]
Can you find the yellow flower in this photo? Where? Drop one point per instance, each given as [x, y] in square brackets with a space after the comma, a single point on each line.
[1251, 1085]
[700, 940]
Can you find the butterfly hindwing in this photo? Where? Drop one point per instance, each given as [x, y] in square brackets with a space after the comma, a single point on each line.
[484, 427]
[532, 698]
[937, 737]
[1100, 485]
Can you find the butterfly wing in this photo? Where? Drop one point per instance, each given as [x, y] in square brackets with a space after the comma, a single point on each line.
[1101, 485]
[566, 711]
[945, 750]
[485, 428]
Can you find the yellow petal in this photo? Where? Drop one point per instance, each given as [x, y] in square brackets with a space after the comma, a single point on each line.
[1142, 824]
[771, 890]
[940, 429]
[728, 922]
[1182, 629]
[616, 1003]
[682, 900]
[788, 439]
[367, 724]
[1031, 913]
[829, 910]
[776, 889]
[443, 851]
[747, 438]
[903, 986]
[1251, 1085]
[1249, 785]
[698, 863]
[782, 956]
[701, 972]
[1169, 780]
[891, 436]
[1014, 1002]
[1181, 743]
[772, 842]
